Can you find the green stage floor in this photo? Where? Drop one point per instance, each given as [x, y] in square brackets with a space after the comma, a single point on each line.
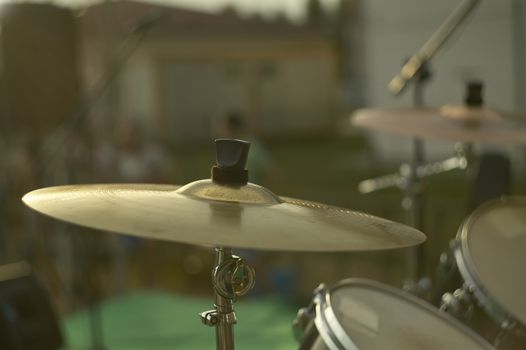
[154, 320]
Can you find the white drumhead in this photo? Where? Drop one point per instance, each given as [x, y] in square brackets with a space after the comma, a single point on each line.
[493, 242]
[375, 316]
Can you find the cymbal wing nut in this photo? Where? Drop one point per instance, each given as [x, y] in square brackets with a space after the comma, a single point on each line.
[233, 278]
[209, 317]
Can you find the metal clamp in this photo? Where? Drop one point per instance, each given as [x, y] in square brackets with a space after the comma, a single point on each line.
[233, 278]
[211, 318]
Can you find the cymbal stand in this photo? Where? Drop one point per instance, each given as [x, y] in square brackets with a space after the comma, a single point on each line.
[232, 277]
[415, 70]
[409, 180]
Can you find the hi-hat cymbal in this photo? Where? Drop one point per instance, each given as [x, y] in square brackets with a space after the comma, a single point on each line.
[453, 123]
[207, 213]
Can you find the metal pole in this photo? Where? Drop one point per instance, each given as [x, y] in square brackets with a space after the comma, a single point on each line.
[413, 201]
[232, 277]
[225, 309]
[416, 206]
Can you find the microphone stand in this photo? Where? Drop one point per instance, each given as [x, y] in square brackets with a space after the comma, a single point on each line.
[412, 67]
[415, 69]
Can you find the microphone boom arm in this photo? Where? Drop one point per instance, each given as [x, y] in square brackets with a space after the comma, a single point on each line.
[439, 37]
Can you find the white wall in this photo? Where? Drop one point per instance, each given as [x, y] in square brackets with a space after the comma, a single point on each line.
[138, 91]
[482, 49]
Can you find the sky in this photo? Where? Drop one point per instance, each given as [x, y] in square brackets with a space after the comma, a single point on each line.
[294, 9]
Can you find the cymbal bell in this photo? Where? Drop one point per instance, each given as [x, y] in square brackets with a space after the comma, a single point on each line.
[449, 122]
[208, 213]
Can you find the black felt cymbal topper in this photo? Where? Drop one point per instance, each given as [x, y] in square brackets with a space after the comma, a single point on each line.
[231, 160]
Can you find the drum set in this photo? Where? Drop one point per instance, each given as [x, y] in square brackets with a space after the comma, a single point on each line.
[226, 211]
[486, 311]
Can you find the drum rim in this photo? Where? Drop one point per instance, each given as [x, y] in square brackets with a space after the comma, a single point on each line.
[329, 326]
[349, 282]
[468, 270]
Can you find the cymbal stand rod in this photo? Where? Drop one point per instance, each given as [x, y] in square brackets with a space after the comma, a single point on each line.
[222, 317]
[225, 309]
[413, 200]
[413, 203]
[232, 277]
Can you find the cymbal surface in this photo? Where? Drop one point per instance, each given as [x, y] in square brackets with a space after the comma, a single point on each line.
[453, 123]
[206, 213]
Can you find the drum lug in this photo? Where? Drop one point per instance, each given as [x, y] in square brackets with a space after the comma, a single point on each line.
[303, 318]
[320, 290]
[454, 244]
[459, 303]
[306, 315]
[469, 288]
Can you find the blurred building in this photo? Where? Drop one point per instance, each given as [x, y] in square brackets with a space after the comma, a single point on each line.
[38, 78]
[183, 70]
[39, 92]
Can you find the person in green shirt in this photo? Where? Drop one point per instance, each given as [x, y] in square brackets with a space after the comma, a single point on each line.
[261, 169]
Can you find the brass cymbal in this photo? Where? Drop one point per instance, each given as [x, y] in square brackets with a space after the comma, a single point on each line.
[453, 123]
[207, 213]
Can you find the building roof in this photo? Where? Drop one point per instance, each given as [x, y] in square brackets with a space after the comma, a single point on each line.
[169, 21]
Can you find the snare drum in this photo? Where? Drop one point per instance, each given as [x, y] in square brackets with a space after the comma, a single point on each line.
[360, 314]
[490, 254]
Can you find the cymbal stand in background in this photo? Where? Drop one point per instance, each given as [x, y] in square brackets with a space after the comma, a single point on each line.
[415, 69]
[409, 180]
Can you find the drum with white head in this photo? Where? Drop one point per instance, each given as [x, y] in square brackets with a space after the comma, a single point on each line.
[361, 314]
[490, 254]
